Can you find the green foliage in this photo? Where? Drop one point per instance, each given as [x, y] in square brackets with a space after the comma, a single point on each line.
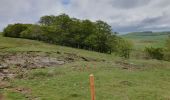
[14, 30]
[77, 33]
[123, 47]
[167, 50]
[155, 53]
[168, 44]
[47, 20]
[72, 32]
[33, 32]
[160, 53]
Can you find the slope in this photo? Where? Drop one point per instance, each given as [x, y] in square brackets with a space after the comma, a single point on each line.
[115, 78]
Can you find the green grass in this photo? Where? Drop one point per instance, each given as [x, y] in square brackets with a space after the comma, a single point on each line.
[142, 40]
[144, 80]
[67, 83]
[19, 45]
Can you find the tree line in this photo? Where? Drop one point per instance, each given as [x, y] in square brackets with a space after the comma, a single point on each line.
[72, 32]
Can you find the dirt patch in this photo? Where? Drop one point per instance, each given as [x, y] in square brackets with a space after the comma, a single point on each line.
[22, 61]
[39, 60]
[2, 97]
[75, 57]
[4, 85]
[25, 60]
[28, 60]
[22, 90]
[127, 65]
[88, 59]
[27, 92]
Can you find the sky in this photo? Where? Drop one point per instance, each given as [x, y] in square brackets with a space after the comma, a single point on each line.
[122, 15]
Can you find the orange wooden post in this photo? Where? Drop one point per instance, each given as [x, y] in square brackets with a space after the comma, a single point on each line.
[92, 88]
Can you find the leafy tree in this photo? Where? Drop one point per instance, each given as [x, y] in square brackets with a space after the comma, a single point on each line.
[47, 20]
[53, 34]
[86, 29]
[75, 33]
[33, 32]
[14, 30]
[103, 34]
[63, 21]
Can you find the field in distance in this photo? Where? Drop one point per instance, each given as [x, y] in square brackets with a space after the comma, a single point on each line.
[147, 39]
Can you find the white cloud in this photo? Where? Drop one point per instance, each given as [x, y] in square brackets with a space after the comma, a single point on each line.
[122, 15]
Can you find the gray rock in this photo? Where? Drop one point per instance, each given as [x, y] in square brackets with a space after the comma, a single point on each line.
[60, 62]
[3, 66]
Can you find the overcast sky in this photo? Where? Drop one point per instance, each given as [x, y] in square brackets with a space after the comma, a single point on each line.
[122, 15]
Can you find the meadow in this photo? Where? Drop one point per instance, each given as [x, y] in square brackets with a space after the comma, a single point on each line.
[115, 78]
[142, 40]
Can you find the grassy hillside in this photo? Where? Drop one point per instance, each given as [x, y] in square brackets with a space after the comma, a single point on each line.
[115, 78]
[143, 39]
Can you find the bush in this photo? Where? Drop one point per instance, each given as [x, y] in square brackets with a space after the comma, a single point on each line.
[33, 32]
[167, 50]
[167, 45]
[155, 53]
[123, 47]
[167, 56]
[14, 30]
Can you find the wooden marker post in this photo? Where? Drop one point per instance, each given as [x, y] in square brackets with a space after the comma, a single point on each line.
[92, 88]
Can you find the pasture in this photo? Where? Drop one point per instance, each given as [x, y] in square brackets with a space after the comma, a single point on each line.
[115, 78]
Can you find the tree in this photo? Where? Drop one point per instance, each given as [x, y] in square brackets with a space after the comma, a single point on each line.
[53, 34]
[87, 28]
[103, 36]
[75, 33]
[33, 32]
[14, 30]
[47, 20]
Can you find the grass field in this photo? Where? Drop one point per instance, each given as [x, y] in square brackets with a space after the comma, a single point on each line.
[115, 78]
[142, 40]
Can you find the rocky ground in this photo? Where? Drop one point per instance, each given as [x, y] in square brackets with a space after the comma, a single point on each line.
[12, 64]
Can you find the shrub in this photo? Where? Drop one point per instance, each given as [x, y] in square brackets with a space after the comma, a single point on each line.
[123, 47]
[167, 56]
[167, 45]
[155, 53]
[14, 30]
[167, 50]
